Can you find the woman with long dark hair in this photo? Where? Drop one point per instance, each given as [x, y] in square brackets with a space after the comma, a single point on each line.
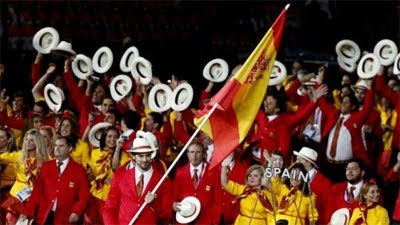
[296, 202]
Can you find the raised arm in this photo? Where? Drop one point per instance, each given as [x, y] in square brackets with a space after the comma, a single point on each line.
[37, 90]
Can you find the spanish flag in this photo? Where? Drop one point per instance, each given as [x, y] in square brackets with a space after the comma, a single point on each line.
[240, 98]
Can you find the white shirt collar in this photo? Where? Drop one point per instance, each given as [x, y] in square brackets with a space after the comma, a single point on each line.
[346, 117]
[311, 174]
[357, 186]
[272, 117]
[199, 168]
[64, 164]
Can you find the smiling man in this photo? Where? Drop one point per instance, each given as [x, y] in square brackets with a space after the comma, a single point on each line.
[61, 193]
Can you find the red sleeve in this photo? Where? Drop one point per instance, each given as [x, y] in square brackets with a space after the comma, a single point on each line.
[180, 132]
[203, 96]
[326, 108]
[111, 206]
[383, 89]
[291, 93]
[392, 176]
[121, 108]
[301, 115]
[11, 122]
[83, 193]
[163, 207]
[35, 76]
[77, 95]
[138, 103]
[367, 106]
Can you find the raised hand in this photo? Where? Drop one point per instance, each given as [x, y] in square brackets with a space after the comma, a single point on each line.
[51, 68]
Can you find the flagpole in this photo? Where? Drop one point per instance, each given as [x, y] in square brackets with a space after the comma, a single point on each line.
[175, 161]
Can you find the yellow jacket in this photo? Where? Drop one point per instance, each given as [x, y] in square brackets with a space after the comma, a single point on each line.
[81, 153]
[248, 204]
[294, 206]
[21, 177]
[100, 164]
[388, 118]
[375, 216]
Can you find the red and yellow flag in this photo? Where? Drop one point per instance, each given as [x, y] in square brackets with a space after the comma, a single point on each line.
[240, 98]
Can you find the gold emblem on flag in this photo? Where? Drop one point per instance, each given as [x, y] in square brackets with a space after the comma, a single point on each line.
[259, 67]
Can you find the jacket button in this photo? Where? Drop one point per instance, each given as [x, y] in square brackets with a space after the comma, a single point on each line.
[57, 191]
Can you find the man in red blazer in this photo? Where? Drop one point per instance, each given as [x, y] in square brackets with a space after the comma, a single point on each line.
[343, 132]
[61, 193]
[319, 184]
[132, 184]
[195, 179]
[344, 194]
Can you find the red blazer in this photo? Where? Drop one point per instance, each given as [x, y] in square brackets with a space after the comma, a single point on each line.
[206, 192]
[276, 134]
[353, 124]
[337, 200]
[228, 210]
[393, 97]
[123, 203]
[71, 190]
[320, 186]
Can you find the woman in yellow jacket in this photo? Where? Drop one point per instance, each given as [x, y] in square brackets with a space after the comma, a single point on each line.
[7, 172]
[369, 212]
[29, 159]
[296, 204]
[69, 128]
[100, 173]
[256, 206]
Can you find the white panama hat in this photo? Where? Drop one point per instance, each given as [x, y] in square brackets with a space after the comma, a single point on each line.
[142, 70]
[143, 143]
[63, 48]
[160, 98]
[128, 58]
[216, 70]
[278, 73]
[348, 49]
[102, 60]
[54, 97]
[368, 66]
[82, 67]
[189, 210]
[96, 131]
[340, 217]
[120, 86]
[386, 50]
[46, 39]
[182, 96]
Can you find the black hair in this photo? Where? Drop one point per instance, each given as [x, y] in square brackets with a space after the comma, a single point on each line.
[42, 104]
[352, 98]
[280, 97]
[68, 140]
[158, 118]
[359, 162]
[104, 135]
[304, 186]
[131, 119]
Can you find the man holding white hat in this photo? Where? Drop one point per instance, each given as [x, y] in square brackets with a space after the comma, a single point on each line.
[319, 184]
[132, 184]
[195, 179]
